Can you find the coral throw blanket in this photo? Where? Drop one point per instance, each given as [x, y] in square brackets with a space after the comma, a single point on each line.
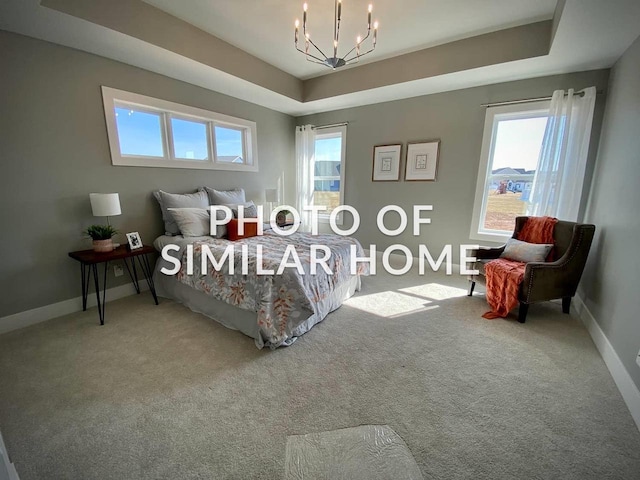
[505, 276]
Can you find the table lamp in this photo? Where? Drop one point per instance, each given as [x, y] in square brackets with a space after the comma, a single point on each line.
[105, 205]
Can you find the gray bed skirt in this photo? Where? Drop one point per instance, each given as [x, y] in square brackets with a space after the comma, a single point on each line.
[245, 321]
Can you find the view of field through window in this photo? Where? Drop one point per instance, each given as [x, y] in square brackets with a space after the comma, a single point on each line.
[512, 168]
[328, 154]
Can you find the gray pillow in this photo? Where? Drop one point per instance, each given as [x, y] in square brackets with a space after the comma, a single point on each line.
[176, 200]
[193, 222]
[225, 197]
[526, 252]
[250, 210]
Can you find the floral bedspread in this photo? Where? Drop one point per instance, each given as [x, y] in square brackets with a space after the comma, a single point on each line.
[282, 302]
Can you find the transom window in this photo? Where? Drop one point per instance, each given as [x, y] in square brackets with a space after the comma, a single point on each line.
[149, 132]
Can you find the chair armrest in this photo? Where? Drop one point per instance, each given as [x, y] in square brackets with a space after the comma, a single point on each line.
[482, 253]
[550, 280]
[544, 281]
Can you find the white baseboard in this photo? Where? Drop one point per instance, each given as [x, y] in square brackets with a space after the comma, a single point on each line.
[41, 314]
[628, 389]
[7, 469]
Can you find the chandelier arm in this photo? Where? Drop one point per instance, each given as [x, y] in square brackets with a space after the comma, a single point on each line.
[336, 29]
[308, 39]
[335, 21]
[317, 48]
[310, 55]
[358, 56]
[335, 44]
[356, 46]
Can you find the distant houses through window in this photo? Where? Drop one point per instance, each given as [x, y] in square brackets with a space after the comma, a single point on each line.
[328, 172]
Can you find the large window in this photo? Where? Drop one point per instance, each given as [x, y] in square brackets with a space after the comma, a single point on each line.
[149, 132]
[328, 172]
[512, 141]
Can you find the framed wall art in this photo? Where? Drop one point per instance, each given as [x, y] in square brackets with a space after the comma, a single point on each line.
[422, 161]
[386, 163]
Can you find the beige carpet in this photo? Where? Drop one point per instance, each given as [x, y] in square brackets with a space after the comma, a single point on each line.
[161, 392]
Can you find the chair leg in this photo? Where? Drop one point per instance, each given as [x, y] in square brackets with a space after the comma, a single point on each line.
[472, 285]
[522, 312]
[566, 304]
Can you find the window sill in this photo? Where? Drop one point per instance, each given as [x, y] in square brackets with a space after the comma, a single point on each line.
[133, 161]
[500, 238]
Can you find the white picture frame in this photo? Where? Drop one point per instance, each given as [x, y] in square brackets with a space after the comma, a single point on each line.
[386, 163]
[135, 242]
[422, 161]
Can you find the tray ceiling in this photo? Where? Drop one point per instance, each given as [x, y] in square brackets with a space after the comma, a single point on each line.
[265, 28]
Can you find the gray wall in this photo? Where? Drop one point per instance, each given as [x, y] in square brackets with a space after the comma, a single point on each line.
[612, 278]
[54, 152]
[457, 119]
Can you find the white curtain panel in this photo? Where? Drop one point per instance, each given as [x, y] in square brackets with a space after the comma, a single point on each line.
[557, 185]
[305, 167]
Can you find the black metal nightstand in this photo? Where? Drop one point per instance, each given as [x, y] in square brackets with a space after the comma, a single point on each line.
[89, 261]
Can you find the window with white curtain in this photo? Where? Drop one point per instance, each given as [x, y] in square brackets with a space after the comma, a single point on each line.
[532, 162]
[320, 171]
[149, 132]
[328, 174]
[510, 151]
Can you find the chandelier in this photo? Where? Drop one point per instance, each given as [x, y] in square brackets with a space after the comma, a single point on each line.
[334, 61]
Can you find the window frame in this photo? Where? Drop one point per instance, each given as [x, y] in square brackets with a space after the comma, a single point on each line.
[511, 112]
[228, 126]
[171, 141]
[113, 97]
[330, 132]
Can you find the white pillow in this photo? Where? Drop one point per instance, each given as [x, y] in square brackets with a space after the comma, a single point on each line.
[192, 222]
[175, 200]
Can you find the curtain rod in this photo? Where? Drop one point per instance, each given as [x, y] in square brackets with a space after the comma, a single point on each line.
[529, 100]
[331, 126]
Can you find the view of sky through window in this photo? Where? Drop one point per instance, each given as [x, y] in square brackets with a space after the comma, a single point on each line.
[328, 149]
[189, 139]
[139, 133]
[518, 143]
[228, 144]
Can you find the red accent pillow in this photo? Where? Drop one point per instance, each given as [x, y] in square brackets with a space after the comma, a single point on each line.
[250, 230]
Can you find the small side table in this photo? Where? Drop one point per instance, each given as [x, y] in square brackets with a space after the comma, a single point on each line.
[89, 261]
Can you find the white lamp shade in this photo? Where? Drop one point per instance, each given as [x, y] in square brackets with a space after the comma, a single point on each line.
[105, 204]
[271, 195]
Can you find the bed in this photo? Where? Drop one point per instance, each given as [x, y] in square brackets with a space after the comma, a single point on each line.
[272, 309]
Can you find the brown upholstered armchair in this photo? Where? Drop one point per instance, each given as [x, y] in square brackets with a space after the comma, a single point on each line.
[546, 280]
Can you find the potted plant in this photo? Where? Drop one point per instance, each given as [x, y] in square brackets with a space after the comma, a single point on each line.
[281, 217]
[101, 236]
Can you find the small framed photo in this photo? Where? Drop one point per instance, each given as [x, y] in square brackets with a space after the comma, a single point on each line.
[134, 240]
[386, 163]
[422, 161]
